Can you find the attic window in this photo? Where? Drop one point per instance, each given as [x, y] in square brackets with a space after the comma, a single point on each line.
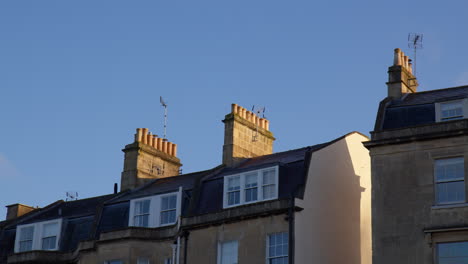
[450, 110]
[250, 187]
[155, 211]
[38, 236]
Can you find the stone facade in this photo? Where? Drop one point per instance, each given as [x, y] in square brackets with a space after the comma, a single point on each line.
[409, 223]
[149, 157]
[245, 136]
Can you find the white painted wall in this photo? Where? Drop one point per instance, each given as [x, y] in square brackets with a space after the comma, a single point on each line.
[335, 225]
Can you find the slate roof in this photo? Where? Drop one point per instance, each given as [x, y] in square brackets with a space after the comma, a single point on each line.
[202, 193]
[418, 108]
[78, 218]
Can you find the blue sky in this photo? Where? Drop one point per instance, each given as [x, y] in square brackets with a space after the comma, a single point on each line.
[77, 78]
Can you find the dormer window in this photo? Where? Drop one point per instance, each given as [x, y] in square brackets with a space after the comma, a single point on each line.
[450, 111]
[446, 111]
[250, 187]
[38, 236]
[155, 211]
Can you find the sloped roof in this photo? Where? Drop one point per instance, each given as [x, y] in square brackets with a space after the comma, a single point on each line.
[429, 97]
[203, 193]
[418, 108]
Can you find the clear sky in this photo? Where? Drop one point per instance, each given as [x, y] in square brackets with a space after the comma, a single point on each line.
[77, 78]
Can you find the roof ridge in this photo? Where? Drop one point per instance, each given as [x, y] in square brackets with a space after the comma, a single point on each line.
[441, 89]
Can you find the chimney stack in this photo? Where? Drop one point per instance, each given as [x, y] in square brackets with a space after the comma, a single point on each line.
[400, 76]
[245, 136]
[17, 210]
[148, 157]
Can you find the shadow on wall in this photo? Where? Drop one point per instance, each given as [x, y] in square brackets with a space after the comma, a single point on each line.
[329, 229]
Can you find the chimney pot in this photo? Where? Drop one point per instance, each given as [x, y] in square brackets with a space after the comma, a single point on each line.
[138, 135]
[397, 57]
[234, 108]
[144, 138]
[174, 150]
[169, 148]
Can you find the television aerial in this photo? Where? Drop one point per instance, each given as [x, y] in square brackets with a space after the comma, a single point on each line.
[164, 104]
[257, 111]
[71, 196]
[415, 43]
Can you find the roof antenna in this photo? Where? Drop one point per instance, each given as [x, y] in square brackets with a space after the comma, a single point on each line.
[415, 42]
[165, 115]
[257, 111]
[72, 196]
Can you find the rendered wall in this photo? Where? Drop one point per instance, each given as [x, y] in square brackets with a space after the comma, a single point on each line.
[335, 225]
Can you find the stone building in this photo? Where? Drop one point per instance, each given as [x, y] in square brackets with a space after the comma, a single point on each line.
[418, 149]
[306, 205]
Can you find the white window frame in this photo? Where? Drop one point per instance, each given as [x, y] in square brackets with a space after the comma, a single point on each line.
[438, 110]
[220, 250]
[135, 202]
[154, 219]
[460, 179]
[176, 209]
[37, 235]
[260, 186]
[267, 257]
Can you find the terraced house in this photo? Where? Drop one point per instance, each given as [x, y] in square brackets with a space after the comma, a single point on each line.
[419, 151]
[306, 205]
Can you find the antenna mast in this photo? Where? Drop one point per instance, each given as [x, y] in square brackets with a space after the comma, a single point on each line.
[415, 42]
[165, 114]
[260, 110]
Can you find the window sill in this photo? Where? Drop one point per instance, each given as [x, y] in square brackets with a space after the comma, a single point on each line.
[448, 206]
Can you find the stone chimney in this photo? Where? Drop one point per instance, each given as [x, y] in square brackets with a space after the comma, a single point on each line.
[245, 136]
[400, 76]
[149, 157]
[17, 210]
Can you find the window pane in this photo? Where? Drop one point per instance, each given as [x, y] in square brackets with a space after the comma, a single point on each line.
[234, 183]
[141, 220]
[447, 169]
[277, 246]
[229, 252]
[269, 191]
[268, 177]
[50, 230]
[251, 180]
[450, 192]
[25, 245]
[452, 253]
[142, 207]
[452, 110]
[251, 194]
[27, 233]
[449, 178]
[233, 197]
[114, 262]
[26, 238]
[48, 243]
[143, 261]
[169, 202]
